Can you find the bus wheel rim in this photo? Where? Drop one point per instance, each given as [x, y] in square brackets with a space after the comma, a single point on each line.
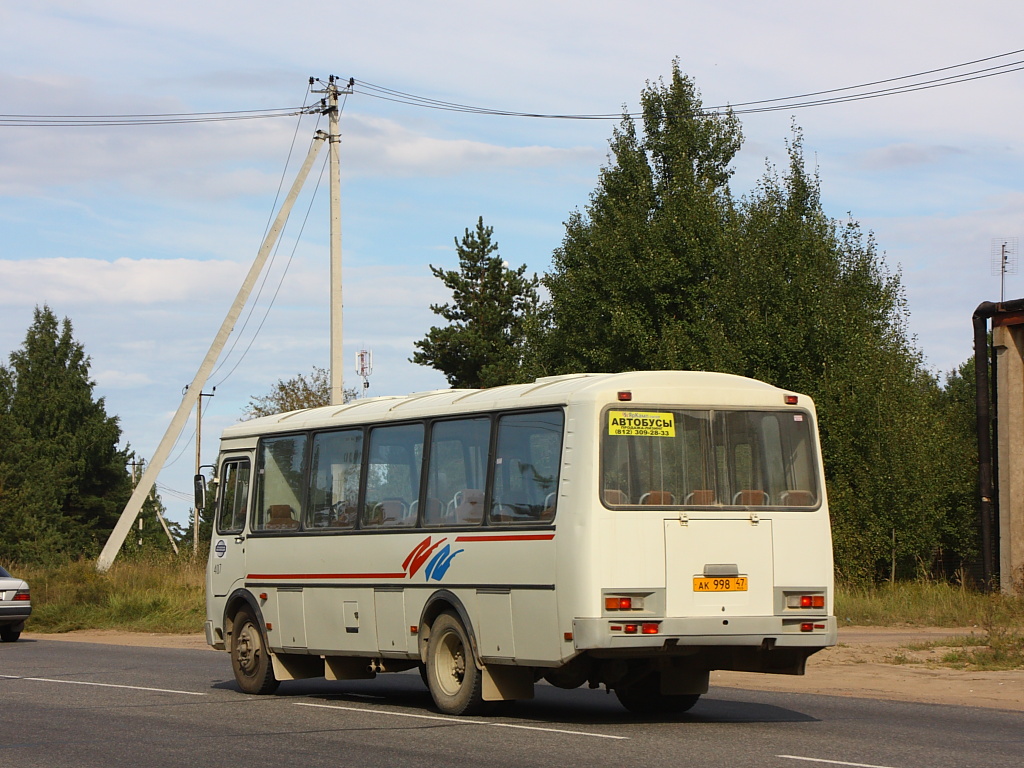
[451, 665]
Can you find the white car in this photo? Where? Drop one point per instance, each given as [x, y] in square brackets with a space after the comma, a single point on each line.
[15, 606]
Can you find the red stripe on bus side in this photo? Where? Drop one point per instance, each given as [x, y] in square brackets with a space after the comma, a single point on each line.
[529, 537]
[257, 576]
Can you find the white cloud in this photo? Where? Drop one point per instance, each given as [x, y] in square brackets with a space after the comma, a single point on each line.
[906, 155]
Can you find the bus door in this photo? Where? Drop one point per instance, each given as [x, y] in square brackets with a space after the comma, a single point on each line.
[227, 550]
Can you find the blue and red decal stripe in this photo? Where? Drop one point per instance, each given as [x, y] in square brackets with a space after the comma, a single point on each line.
[437, 555]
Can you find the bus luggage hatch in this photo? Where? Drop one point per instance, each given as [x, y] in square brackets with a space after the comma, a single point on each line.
[719, 568]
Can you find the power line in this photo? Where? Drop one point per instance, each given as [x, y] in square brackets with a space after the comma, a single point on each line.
[170, 118]
[800, 101]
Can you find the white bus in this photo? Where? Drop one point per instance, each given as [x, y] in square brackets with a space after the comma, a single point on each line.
[632, 530]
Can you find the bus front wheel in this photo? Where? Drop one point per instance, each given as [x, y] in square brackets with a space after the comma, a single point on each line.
[250, 657]
[453, 678]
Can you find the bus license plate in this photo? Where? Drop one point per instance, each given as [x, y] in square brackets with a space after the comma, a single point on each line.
[720, 584]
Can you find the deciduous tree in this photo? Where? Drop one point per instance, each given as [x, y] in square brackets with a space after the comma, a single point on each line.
[665, 269]
[292, 394]
[634, 284]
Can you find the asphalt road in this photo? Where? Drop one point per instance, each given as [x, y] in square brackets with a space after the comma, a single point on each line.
[83, 705]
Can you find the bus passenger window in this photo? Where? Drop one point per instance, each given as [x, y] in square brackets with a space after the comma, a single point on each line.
[529, 453]
[393, 476]
[335, 462]
[457, 472]
[280, 483]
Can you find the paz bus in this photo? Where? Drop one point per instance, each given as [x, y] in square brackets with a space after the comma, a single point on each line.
[633, 531]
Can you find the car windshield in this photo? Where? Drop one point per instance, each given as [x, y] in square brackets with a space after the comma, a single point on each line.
[4, 574]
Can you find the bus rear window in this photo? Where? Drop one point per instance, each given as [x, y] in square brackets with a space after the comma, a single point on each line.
[703, 458]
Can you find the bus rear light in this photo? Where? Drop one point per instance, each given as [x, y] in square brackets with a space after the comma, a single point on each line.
[807, 626]
[630, 629]
[567, 637]
[625, 397]
[805, 601]
[620, 603]
[792, 399]
[649, 628]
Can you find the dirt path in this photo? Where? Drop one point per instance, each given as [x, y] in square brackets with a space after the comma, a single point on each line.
[860, 666]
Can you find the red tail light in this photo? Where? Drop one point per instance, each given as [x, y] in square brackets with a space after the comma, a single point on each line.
[21, 594]
[649, 628]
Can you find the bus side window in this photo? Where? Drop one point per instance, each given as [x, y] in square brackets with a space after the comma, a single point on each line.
[457, 472]
[393, 476]
[234, 499]
[280, 483]
[335, 462]
[529, 453]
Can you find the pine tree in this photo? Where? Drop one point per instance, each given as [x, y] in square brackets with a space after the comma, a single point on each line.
[492, 308]
[63, 479]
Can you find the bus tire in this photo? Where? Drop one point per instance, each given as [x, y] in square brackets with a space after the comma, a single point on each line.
[646, 699]
[250, 656]
[454, 681]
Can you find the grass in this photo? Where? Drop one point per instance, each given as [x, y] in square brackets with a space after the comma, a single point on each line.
[925, 604]
[151, 594]
[1000, 620]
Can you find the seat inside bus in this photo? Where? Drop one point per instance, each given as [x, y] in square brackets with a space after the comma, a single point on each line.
[281, 518]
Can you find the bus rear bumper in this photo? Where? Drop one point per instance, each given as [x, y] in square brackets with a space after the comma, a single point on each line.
[752, 631]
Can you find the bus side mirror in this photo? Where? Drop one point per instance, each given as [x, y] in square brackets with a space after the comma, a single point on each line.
[200, 489]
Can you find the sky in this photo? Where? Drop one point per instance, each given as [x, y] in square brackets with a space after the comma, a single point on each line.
[141, 235]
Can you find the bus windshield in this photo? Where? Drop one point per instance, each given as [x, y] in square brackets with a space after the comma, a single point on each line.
[708, 458]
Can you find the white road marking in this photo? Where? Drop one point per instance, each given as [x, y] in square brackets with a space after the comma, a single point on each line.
[833, 762]
[101, 685]
[463, 721]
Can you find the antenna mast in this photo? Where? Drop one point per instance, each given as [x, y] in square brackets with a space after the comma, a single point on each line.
[1004, 261]
[364, 367]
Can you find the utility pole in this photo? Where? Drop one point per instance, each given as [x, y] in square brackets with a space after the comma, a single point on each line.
[131, 510]
[330, 107]
[199, 444]
[156, 507]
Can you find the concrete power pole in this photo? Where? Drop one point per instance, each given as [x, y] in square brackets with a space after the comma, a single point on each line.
[331, 91]
[191, 397]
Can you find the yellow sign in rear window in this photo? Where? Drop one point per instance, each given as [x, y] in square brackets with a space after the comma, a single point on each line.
[641, 424]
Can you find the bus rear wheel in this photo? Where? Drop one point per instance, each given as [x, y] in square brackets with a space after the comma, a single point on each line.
[250, 656]
[645, 698]
[454, 681]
